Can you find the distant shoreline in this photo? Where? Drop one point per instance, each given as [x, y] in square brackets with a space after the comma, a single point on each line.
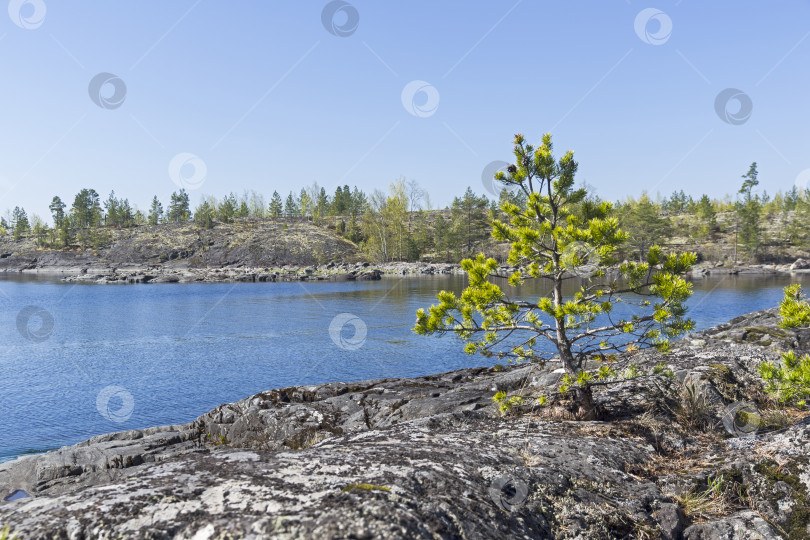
[362, 271]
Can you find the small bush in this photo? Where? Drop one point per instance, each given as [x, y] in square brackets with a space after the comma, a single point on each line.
[789, 382]
[794, 310]
[505, 403]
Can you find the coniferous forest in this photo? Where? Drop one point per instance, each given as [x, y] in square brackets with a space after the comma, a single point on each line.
[400, 224]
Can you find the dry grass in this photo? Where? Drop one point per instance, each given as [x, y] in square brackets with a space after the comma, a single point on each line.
[690, 460]
[699, 506]
[777, 416]
[694, 410]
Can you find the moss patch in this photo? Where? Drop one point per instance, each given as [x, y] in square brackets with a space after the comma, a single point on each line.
[798, 519]
[765, 336]
[724, 381]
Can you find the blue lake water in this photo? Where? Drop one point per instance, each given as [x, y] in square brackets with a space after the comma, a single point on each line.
[89, 359]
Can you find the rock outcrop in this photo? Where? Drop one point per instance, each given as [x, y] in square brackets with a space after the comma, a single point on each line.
[431, 457]
[185, 246]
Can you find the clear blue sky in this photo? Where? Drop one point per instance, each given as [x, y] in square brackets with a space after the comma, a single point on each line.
[269, 99]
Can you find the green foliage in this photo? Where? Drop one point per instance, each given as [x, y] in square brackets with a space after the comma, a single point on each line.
[706, 218]
[19, 223]
[631, 372]
[119, 213]
[7, 534]
[86, 210]
[204, 215]
[57, 208]
[748, 213]
[291, 208]
[227, 208]
[644, 224]
[178, 207]
[788, 381]
[155, 212]
[548, 239]
[243, 210]
[505, 403]
[469, 222]
[385, 224]
[276, 206]
[40, 231]
[750, 181]
[794, 310]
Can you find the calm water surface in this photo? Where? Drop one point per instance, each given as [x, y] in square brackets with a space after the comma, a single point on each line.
[128, 357]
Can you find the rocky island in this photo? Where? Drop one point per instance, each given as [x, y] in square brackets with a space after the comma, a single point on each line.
[432, 457]
[250, 251]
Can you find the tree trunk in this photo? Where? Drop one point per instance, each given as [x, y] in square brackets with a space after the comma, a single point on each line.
[585, 407]
[582, 406]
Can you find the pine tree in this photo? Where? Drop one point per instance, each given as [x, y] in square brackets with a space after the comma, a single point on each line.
[644, 225]
[204, 215]
[291, 207]
[227, 209]
[111, 205]
[548, 240]
[19, 223]
[86, 210]
[469, 217]
[305, 203]
[748, 212]
[178, 207]
[243, 211]
[276, 205]
[155, 212]
[321, 204]
[706, 216]
[57, 208]
[339, 202]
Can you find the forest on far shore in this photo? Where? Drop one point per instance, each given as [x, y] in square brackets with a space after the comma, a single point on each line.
[401, 225]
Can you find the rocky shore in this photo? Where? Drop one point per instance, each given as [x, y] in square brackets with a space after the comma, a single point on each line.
[363, 271]
[431, 457]
[707, 269]
[358, 271]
